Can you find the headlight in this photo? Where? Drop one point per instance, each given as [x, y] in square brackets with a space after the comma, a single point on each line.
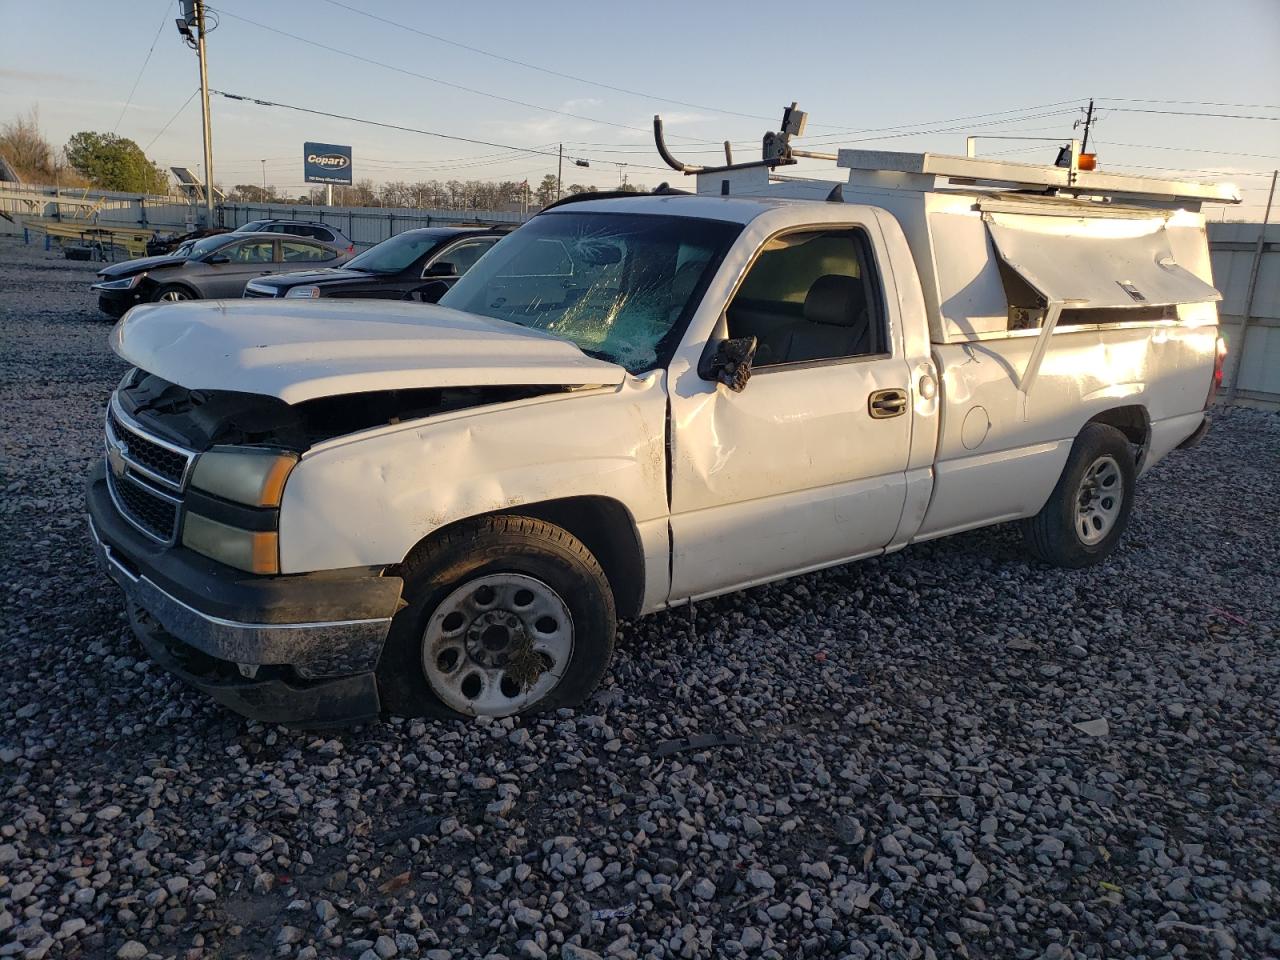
[128, 283]
[254, 551]
[244, 475]
[303, 293]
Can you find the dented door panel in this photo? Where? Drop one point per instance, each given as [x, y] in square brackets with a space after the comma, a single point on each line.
[368, 498]
[793, 472]
[989, 425]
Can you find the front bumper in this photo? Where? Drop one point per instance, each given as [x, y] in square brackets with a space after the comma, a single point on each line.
[297, 649]
[115, 303]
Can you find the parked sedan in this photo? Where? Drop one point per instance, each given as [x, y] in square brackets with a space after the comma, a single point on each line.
[208, 269]
[424, 262]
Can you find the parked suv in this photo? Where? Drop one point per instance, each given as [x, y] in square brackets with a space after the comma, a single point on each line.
[324, 232]
[207, 269]
[422, 262]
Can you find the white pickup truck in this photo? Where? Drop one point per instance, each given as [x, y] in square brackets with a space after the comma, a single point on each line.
[324, 511]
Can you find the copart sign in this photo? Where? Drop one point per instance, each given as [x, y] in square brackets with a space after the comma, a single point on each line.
[326, 163]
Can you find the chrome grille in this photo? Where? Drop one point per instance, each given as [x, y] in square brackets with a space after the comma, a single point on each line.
[149, 510]
[164, 462]
[146, 476]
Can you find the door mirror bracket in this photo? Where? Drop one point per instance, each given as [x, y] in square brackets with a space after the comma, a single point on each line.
[730, 364]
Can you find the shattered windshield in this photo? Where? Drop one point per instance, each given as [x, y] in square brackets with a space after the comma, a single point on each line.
[618, 285]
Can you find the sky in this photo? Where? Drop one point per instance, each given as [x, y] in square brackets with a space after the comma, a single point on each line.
[525, 77]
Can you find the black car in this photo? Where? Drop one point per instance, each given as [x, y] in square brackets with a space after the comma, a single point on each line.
[417, 263]
[209, 269]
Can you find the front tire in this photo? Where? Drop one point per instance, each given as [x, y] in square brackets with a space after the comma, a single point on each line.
[1088, 511]
[173, 293]
[505, 615]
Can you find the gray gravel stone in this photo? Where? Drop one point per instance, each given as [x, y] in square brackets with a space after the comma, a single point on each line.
[893, 770]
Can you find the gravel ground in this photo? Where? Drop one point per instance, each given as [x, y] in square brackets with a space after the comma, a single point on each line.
[947, 752]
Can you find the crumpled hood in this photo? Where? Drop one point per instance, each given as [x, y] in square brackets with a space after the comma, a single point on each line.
[302, 350]
[127, 268]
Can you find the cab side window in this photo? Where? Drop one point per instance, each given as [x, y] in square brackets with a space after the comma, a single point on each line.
[811, 295]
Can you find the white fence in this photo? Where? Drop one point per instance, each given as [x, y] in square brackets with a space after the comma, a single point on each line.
[365, 226]
[92, 207]
[1231, 248]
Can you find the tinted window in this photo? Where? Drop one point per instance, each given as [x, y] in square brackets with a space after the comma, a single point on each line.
[297, 251]
[394, 255]
[209, 244]
[253, 226]
[810, 295]
[252, 251]
[620, 286]
[464, 255]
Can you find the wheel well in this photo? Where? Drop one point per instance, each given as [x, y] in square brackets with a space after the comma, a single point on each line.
[606, 529]
[1133, 421]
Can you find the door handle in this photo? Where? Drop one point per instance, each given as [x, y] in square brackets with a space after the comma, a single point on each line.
[883, 404]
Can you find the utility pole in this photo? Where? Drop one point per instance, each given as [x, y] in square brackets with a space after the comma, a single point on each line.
[204, 110]
[1237, 347]
[560, 173]
[1088, 121]
[264, 179]
[194, 10]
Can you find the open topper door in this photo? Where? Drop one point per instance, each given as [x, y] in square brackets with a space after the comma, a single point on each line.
[1094, 263]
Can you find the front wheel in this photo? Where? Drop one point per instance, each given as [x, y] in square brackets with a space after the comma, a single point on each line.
[504, 615]
[1085, 516]
[173, 293]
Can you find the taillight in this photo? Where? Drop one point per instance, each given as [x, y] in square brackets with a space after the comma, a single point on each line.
[1219, 358]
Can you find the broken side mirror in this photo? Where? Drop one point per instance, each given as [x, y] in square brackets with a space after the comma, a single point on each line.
[429, 293]
[730, 364]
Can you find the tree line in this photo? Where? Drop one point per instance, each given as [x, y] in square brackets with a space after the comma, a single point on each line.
[111, 162]
[88, 159]
[427, 194]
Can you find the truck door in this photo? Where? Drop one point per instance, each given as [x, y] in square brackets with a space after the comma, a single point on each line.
[807, 465]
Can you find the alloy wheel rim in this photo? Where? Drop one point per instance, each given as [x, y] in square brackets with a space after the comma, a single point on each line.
[1098, 500]
[497, 645]
[173, 296]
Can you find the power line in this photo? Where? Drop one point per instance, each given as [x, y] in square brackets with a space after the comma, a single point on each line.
[1220, 153]
[404, 129]
[546, 70]
[1199, 103]
[171, 119]
[429, 79]
[1190, 113]
[142, 69]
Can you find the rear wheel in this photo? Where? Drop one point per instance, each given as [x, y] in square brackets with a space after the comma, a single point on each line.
[173, 293]
[1085, 516]
[504, 615]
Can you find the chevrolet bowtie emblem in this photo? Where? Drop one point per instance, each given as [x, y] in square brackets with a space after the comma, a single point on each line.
[115, 459]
